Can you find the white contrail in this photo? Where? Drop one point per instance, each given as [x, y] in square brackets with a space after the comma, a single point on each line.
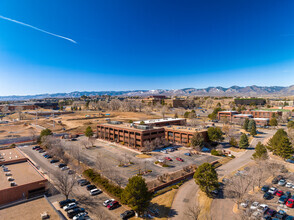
[38, 29]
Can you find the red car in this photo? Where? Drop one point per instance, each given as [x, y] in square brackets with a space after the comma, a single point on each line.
[168, 158]
[179, 159]
[290, 203]
[113, 205]
[280, 193]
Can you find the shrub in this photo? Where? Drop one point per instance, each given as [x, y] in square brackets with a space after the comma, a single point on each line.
[215, 153]
[104, 183]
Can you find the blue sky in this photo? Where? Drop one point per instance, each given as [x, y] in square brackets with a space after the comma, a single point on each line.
[144, 44]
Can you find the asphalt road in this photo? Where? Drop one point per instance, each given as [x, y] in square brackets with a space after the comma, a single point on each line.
[92, 204]
[220, 208]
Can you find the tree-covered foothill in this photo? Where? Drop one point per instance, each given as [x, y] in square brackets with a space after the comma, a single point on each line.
[215, 134]
[213, 115]
[243, 144]
[136, 194]
[260, 152]
[89, 132]
[206, 177]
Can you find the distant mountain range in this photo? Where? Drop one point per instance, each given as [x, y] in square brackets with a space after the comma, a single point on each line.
[255, 91]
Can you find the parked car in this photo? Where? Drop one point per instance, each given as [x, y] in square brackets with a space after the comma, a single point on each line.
[289, 185]
[270, 212]
[41, 151]
[280, 214]
[254, 205]
[73, 212]
[279, 177]
[164, 151]
[267, 196]
[84, 182]
[290, 203]
[49, 156]
[113, 205]
[70, 206]
[54, 161]
[168, 158]
[64, 168]
[244, 204]
[179, 159]
[94, 192]
[282, 182]
[290, 161]
[65, 202]
[279, 193]
[262, 208]
[275, 181]
[89, 187]
[107, 202]
[273, 190]
[187, 154]
[35, 147]
[80, 216]
[288, 194]
[265, 188]
[70, 172]
[127, 214]
[283, 199]
[62, 165]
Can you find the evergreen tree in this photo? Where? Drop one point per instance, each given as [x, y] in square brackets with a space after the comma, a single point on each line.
[243, 144]
[89, 132]
[176, 115]
[253, 131]
[206, 177]
[215, 134]
[290, 124]
[245, 125]
[260, 152]
[136, 194]
[251, 124]
[274, 142]
[285, 149]
[273, 122]
[233, 142]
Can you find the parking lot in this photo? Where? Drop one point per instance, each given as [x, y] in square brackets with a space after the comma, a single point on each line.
[273, 201]
[92, 204]
[108, 157]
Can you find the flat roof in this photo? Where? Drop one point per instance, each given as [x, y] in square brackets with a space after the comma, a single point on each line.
[261, 119]
[268, 110]
[243, 115]
[22, 173]
[184, 128]
[152, 121]
[228, 112]
[7, 155]
[129, 126]
[29, 210]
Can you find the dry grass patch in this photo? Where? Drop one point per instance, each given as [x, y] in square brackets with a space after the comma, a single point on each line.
[204, 202]
[143, 156]
[235, 149]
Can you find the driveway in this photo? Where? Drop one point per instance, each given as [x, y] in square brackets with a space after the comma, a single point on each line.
[220, 208]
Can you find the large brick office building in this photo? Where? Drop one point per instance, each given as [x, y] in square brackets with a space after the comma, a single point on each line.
[134, 135]
[263, 113]
[19, 178]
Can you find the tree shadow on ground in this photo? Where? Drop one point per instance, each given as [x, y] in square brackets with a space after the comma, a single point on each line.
[161, 211]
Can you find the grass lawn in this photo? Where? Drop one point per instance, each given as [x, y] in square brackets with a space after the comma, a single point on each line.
[143, 156]
[204, 203]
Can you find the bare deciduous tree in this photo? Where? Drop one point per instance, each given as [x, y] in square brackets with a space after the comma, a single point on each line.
[192, 212]
[64, 183]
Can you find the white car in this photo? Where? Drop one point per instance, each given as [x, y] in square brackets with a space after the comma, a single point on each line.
[65, 168]
[289, 185]
[81, 215]
[262, 208]
[107, 202]
[244, 204]
[70, 206]
[164, 151]
[272, 190]
[254, 205]
[94, 192]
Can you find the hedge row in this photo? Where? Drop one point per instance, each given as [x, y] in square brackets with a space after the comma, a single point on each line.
[104, 183]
